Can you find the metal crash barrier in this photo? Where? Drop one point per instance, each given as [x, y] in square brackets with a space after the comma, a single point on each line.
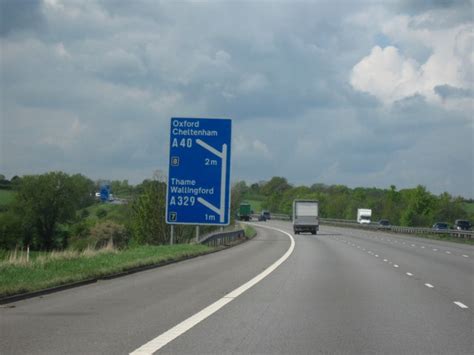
[222, 238]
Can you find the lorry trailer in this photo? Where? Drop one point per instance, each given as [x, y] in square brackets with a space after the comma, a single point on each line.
[305, 216]
[364, 215]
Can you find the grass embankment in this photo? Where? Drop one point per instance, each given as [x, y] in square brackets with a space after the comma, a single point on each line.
[250, 232]
[59, 268]
[6, 197]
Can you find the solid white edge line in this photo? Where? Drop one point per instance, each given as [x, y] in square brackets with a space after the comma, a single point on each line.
[429, 285]
[459, 304]
[179, 329]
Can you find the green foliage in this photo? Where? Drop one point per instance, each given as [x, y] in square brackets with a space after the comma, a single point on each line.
[11, 230]
[54, 269]
[409, 207]
[6, 197]
[108, 232]
[101, 213]
[46, 200]
[147, 221]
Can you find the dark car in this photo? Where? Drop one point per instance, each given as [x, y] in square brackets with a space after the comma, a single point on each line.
[266, 214]
[383, 224]
[461, 224]
[440, 226]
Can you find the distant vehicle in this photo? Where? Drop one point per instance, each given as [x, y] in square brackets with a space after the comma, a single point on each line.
[262, 218]
[440, 226]
[461, 224]
[245, 210]
[265, 214]
[305, 216]
[383, 224]
[364, 215]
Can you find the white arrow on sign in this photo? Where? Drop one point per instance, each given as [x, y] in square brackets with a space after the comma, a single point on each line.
[223, 155]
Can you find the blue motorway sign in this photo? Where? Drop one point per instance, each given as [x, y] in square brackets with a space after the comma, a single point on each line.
[104, 192]
[199, 171]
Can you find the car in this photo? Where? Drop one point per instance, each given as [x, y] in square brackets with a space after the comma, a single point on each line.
[383, 224]
[266, 214]
[440, 226]
[461, 224]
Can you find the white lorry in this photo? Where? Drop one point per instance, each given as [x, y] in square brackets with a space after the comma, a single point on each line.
[305, 216]
[364, 215]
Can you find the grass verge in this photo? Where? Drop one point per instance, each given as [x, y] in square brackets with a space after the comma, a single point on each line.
[250, 232]
[445, 237]
[62, 268]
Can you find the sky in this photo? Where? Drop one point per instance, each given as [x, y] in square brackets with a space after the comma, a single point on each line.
[360, 93]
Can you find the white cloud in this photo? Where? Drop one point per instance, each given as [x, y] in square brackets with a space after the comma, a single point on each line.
[391, 74]
[387, 75]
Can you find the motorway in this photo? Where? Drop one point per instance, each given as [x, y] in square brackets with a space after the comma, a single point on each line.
[343, 291]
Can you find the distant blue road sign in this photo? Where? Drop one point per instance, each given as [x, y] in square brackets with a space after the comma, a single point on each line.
[199, 171]
[104, 192]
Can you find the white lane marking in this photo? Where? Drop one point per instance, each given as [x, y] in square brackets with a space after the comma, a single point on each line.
[385, 260]
[435, 249]
[465, 256]
[448, 252]
[376, 255]
[459, 304]
[422, 247]
[409, 274]
[413, 245]
[429, 285]
[395, 265]
[363, 249]
[179, 329]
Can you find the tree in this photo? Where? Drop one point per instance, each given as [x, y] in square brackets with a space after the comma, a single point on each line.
[148, 214]
[419, 208]
[46, 200]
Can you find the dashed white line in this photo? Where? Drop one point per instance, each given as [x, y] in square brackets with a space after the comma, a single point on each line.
[385, 260]
[395, 265]
[422, 247]
[448, 252]
[429, 285]
[409, 274]
[465, 256]
[459, 304]
[376, 255]
[413, 245]
[435, 249]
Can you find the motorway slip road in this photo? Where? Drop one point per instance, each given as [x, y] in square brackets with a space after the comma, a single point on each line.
[342, 291]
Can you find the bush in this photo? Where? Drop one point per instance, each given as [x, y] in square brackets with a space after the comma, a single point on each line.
[11, 231]
[101, 213]
[84, 213]
[104, 232]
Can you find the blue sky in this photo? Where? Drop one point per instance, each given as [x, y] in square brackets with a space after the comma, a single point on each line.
[361, 93]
